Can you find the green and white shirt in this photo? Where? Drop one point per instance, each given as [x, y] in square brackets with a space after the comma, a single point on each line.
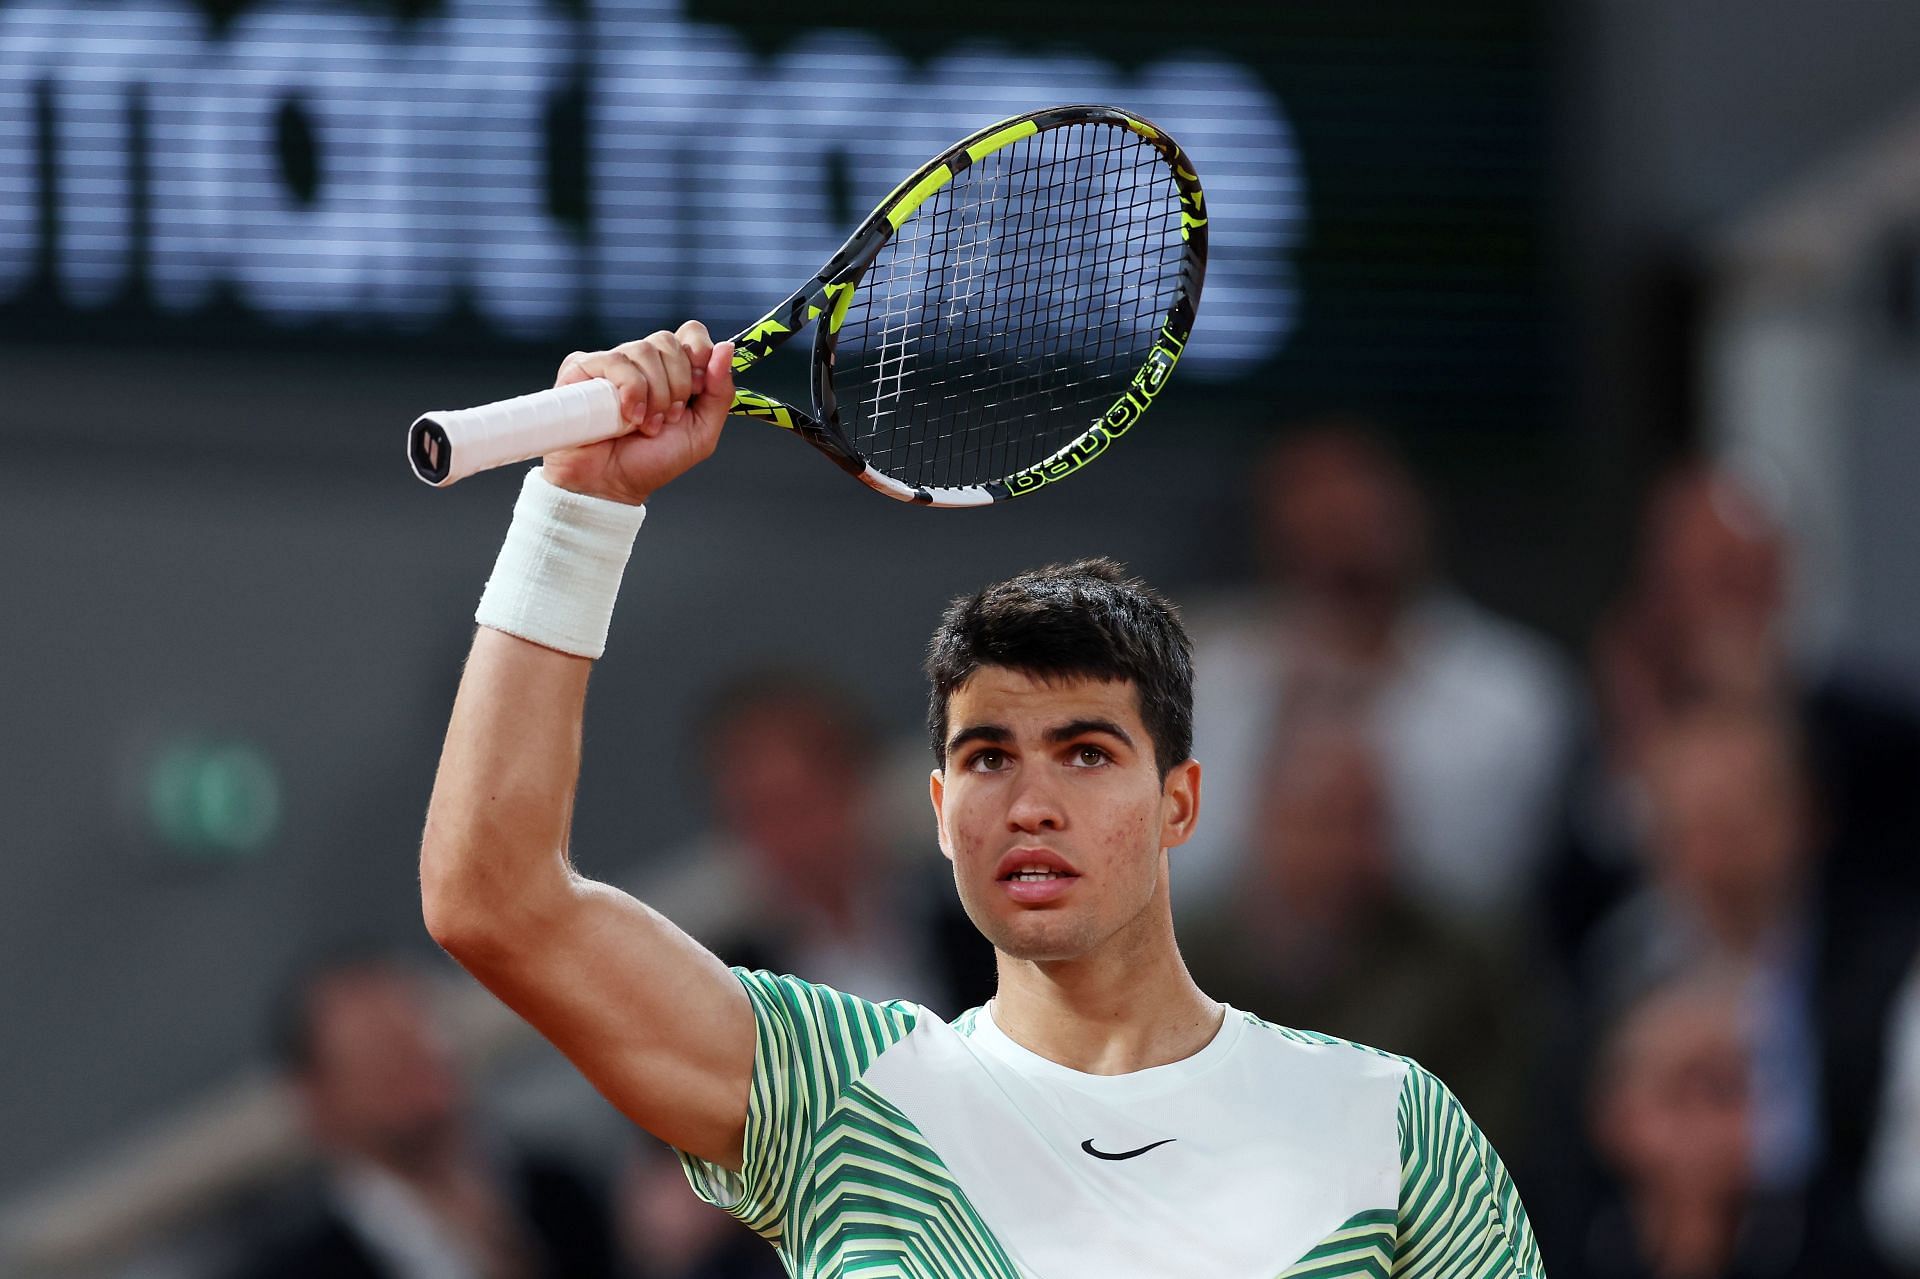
[884, 1143]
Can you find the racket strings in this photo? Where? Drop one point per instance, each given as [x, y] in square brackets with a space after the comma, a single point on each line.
[1012, 309]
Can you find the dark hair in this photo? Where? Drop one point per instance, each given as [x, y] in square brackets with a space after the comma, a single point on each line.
[1086, 619]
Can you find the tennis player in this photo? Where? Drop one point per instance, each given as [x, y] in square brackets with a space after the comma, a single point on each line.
[1101, 1116]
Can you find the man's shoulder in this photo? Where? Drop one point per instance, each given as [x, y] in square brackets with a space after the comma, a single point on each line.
[1330, 1059]
[802, 1021]
[815, 998]
[1342, 1075]
[1348, 1051]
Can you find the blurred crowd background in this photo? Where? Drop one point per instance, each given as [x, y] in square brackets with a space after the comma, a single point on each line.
[1537, 493]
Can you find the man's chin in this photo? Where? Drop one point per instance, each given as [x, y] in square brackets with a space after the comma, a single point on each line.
[1040, 938]
[1030, 933]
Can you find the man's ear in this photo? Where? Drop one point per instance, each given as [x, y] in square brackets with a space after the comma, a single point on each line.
[936, 788]
[1180, 804]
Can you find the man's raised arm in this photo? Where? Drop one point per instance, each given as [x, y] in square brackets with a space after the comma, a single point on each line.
[652, 1018]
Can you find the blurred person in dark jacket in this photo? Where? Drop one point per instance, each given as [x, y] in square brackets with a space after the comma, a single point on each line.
[412, 1186]
[1735, 852]
[1731, 853]
[1671, 1119]
[1706, 621]
[1321, 936]
[1473, 715]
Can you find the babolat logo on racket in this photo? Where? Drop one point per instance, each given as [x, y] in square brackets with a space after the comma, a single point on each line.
[1146, 385]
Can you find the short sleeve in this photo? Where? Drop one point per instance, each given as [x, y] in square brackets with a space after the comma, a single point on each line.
[1460, 1214]
[810, 1043]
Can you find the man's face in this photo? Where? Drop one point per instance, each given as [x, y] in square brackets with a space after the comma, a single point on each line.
[1677, 1111]
[383, 1083]
[1340, 522]
[788, 783]
[1057, 778]
[1731, 830]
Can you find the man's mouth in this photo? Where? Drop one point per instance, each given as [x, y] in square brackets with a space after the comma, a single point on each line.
[1035, 877]
[1033, 865]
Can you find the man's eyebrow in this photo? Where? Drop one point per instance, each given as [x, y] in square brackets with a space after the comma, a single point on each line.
[998, 733]
[1080, 727]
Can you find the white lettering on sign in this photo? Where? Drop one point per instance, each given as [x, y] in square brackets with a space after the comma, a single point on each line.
[716, 177]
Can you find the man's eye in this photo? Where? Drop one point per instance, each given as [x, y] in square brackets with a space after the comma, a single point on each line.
[988, 761]
[1089, 756]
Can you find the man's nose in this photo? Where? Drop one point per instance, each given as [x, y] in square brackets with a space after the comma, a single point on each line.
[1035, 803]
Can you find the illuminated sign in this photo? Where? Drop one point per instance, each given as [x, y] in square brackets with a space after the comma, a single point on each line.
[716, 178]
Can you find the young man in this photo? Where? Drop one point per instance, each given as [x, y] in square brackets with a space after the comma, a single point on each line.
[1100, 1116]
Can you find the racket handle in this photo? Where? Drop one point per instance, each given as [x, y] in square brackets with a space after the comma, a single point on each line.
[451, 444]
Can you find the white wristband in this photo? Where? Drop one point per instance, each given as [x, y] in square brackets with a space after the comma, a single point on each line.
[559, 569]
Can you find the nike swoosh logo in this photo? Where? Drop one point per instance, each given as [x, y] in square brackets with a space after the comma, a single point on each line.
[1087, 1146]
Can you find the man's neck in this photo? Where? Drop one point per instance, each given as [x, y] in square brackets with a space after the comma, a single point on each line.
[1126, 1008]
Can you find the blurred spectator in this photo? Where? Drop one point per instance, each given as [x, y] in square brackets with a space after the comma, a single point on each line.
[1672, 1120]
[666, 1232]
[1735, 850]
[1793, 812]
[1730, 854]
[412, 1188]
[810, 885]
[1320, 936]
[1472, 714]
[1705, 621]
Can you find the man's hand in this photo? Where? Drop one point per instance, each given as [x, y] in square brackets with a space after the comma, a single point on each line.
[656, 377]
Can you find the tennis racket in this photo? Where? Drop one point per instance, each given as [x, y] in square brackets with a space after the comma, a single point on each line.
[1004, 316]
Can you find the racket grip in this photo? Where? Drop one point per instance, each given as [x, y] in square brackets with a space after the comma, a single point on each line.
[451, 444]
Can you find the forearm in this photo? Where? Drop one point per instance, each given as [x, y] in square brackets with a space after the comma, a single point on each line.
[494, 853]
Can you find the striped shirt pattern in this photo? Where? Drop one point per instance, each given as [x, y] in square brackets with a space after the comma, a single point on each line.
[841, 1181]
